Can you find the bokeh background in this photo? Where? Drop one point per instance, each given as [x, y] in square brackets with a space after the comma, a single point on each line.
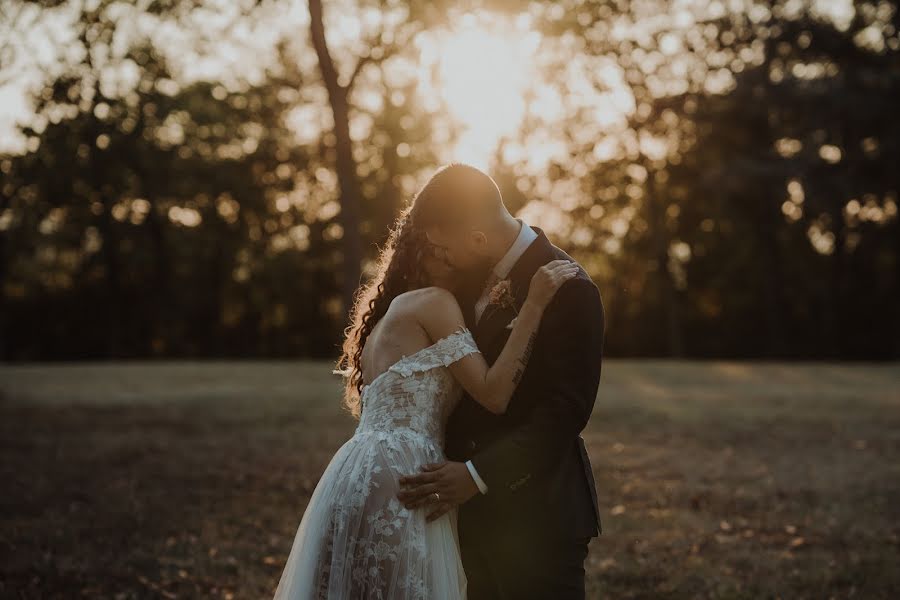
[188, 184]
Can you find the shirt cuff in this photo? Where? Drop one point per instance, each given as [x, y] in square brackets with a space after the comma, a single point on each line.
[482, 486]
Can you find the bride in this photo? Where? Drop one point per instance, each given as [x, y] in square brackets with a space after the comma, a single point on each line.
[407, 358]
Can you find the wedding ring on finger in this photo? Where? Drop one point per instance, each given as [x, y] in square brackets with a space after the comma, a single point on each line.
[435, 496]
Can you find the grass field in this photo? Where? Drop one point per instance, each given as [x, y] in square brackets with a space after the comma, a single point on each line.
[188, 480]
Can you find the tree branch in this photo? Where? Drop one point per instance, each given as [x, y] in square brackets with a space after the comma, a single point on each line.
[326, 64]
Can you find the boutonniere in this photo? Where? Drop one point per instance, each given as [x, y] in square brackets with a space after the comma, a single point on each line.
[501, 296]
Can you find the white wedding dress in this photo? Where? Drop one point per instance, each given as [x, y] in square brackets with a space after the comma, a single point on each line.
[356, 540]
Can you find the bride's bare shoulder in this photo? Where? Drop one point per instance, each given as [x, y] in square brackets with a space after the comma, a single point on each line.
[430, 298]
[431, 308]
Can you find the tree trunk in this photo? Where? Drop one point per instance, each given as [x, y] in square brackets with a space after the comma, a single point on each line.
[895, 291]
[660, 241]
[109, 249]
[161, 273]
[768, 220]
[159, 308]
[345, 165]
[109, 252]
[5, 354]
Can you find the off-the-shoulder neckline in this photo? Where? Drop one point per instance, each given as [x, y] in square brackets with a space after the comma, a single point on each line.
[404, 358]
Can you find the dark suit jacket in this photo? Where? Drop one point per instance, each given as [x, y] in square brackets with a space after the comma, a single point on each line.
[533, 458]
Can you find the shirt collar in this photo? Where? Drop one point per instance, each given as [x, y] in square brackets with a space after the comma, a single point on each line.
[523, 240]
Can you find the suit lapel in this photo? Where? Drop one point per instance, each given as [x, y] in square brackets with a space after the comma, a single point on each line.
[467, 294]
[493, 323]
[468, 309]
[494, 319]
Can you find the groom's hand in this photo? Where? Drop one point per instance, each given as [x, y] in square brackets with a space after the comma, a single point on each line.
[450, 480]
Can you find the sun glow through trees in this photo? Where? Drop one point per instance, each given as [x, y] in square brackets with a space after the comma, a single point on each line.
[482, 70]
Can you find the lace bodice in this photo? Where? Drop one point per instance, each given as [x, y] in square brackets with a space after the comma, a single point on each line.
[417, 393]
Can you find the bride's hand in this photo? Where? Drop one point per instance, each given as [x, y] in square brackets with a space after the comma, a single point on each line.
[548, 279]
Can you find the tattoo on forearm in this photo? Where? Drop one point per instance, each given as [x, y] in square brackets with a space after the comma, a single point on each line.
[517, 376]
[523, 360]
[528, 348]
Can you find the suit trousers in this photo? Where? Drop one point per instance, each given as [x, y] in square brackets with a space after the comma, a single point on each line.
[523, 568]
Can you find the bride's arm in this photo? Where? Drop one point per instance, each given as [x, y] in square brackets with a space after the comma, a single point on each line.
[493, 386]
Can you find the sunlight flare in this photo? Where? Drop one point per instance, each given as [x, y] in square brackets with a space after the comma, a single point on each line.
[482, 71]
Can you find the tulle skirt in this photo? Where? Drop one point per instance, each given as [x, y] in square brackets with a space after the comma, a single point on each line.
[357, 541]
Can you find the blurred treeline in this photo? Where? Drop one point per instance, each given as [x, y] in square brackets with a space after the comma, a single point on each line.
[747, 208]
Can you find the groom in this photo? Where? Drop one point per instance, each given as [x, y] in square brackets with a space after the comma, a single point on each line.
[522, 480]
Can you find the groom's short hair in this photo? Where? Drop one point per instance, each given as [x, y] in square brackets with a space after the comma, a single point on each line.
[458, 194]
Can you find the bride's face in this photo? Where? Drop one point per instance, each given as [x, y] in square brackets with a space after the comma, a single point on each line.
[438, 268]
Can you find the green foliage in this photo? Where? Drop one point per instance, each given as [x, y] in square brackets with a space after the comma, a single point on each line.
[187, 219]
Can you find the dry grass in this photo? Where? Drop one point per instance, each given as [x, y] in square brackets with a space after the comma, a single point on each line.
[716, 480]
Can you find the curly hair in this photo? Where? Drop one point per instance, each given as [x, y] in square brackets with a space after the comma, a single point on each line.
[399, 270]
[454, 191]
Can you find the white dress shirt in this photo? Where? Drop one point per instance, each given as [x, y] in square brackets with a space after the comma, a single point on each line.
[501, 271]
[504, 265]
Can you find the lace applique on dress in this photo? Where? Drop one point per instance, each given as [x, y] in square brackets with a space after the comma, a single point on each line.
[442, 353]
[355, 539]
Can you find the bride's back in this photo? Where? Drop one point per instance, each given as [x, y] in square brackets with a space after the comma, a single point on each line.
[397, 334]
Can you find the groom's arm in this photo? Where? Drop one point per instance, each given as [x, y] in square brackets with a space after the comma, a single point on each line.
[574, 328]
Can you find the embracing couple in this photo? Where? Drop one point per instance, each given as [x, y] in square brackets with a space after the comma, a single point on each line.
[472, 362]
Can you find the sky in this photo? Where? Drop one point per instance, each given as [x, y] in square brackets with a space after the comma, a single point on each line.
[486, 65]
